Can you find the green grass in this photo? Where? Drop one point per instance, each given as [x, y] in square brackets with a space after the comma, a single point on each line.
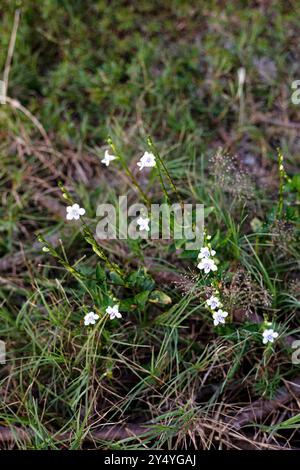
[87, 70]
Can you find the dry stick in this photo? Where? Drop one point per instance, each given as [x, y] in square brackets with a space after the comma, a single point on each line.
[15, 104]
[10, 51]
[114, 432]
[111, 432]
[262, 408]
[276, 122]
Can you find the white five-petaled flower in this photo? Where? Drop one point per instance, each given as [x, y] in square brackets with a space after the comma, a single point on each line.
[90, 318]
[146, 161]
[113, 312]
[213, 302]
[206, 252]
[74, 212]
[107, 158]
[269, 335]
[207, 265]
[219, 316]
[143, 223]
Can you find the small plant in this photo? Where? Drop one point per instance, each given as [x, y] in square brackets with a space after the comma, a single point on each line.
[206, 256]
[127, 326]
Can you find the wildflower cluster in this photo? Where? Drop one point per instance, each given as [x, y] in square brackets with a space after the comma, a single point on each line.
[146, 161]
[113, 312]
[215, 306]
[74, 212]
[208, 264]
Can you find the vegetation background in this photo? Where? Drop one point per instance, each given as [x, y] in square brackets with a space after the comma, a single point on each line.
[163, 376]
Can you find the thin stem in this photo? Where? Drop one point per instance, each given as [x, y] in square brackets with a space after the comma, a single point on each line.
[88, 236]
[163, 185]
[281, 183]
[128, 172]
[10, 51]
[172, 184]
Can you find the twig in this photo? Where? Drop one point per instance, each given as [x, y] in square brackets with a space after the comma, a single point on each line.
[262, 408]
[118, 432]
[276, 122]
[10, 52]
[113, 432]
[17, 105]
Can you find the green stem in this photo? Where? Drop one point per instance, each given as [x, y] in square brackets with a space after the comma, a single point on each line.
[129, 172]
[281, 183]
[172, 184]
[88, 236]
[163, 185]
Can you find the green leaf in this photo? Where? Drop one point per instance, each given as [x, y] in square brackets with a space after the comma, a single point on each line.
[100, 273]
[208, 210]
[140, 279]
[116, 278]
[159, 297]
[127, 305]
[295, 183]
[142, 298]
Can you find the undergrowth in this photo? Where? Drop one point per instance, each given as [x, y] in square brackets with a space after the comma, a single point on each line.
[168, 373]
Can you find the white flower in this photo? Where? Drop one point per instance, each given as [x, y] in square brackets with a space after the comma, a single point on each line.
[147, 161]
[143, 223]
[207, 265]
[213, 302]
[113, 312]
[269, 335]
[205, 252]
[107, 158]
[90, 318]
[219, 317]
[74, 212]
